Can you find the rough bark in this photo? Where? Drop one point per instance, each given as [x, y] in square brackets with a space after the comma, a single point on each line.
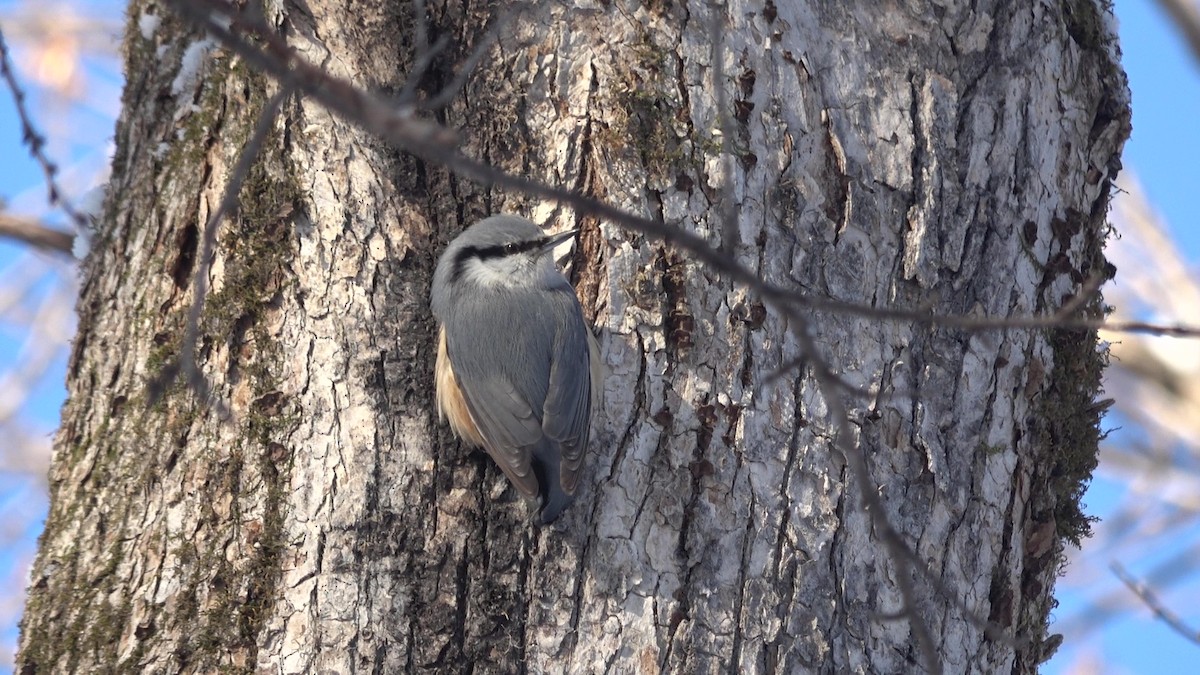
[952, 156]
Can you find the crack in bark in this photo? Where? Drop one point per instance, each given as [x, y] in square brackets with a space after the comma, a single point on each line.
[743, 570]
[639, 404]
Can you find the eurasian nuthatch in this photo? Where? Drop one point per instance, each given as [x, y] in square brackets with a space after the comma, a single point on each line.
[517, 369]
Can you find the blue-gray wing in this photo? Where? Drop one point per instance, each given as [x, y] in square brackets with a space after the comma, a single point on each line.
[502, 368]
[525, 377]
[567, 412]
[509, 428]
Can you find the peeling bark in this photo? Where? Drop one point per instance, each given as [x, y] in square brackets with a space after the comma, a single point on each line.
[942, 155]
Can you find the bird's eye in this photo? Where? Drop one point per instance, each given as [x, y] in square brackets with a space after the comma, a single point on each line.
[510, 248]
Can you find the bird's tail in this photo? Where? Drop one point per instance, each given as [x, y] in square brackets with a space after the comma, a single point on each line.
[552, 497]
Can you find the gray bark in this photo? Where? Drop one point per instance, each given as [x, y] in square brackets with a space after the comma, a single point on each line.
[951, 156]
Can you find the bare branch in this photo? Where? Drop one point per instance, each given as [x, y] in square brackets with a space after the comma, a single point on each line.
[35, 140]
[436, 144]
[451, 90]
[1144, 592]
[36, 233]
[897, 549]
[1186, 15]
[276, 58]
[424, 53]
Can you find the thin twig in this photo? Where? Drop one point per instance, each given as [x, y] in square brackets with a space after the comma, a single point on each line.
[423, 52]
[465, 69]
[1186, 15]
[36, 233]
[1089, 289]
[991, 629]
[436, 144]
[1148, 596]
[855, 457]
[395, 122]
[186, 364]
[777, 295]
[36, 141]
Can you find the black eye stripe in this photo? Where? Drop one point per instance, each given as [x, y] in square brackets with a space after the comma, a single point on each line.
[500, 250]
[492, 252]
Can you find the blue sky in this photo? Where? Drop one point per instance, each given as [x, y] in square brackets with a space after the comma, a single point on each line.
[1165, 145]
[1164, 150]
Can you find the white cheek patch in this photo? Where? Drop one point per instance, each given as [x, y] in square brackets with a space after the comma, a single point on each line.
[491, 275]
[513, 272]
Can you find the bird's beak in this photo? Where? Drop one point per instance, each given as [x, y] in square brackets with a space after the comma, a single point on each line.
[556, 239]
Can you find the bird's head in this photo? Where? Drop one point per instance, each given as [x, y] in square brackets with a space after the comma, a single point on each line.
[500, 252]
[503, 251]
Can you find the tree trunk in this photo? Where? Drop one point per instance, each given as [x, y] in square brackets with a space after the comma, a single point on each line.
[953, 157]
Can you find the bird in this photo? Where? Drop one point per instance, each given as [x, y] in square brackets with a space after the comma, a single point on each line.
[518, 370]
